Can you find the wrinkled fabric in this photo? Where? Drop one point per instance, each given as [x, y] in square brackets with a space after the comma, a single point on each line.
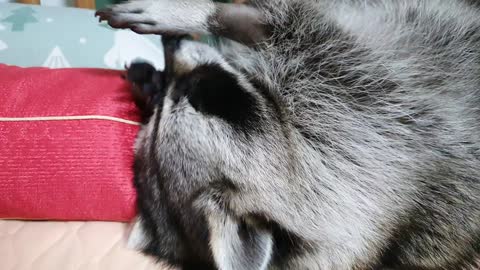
[26, 245]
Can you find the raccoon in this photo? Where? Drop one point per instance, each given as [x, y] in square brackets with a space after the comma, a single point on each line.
[318, 134]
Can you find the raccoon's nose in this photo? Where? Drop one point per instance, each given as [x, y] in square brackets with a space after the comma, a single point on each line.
[149, 82]
[140, 72]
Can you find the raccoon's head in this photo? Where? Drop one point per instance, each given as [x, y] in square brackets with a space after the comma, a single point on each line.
[214, 146]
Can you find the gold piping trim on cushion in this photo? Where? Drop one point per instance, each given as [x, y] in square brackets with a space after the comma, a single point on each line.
[68, 118]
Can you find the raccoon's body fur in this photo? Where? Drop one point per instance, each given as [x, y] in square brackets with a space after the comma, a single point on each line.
[348, 138]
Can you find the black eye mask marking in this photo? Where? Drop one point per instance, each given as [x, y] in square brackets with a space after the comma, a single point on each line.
[216, 92]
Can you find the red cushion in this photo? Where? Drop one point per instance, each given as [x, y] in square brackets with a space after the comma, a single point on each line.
[66, 144]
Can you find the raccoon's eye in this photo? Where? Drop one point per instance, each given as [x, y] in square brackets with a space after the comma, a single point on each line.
[214, 91]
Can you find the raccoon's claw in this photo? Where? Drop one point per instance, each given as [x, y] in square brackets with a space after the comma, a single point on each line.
[113, 19]
[104, 14]
[101, 14]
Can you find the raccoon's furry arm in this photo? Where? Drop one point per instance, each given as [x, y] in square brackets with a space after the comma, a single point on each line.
[241, 23]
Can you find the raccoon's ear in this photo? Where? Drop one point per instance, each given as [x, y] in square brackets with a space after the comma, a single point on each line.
[238, 245]
[137, 238]
[212, 90]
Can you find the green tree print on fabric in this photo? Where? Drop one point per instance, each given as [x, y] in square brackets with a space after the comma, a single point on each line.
[20, 17]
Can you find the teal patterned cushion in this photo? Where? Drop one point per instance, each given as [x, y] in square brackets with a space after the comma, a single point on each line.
[69, 37]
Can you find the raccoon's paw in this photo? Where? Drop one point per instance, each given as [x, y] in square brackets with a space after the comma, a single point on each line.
[147, 86]
[129, 15]
[159, 16]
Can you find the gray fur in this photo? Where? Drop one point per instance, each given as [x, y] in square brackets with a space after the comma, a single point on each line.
[366, 151]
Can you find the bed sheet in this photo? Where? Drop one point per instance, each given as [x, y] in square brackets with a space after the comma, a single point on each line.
[44, 245]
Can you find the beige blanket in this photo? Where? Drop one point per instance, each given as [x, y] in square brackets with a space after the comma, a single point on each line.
[32, 245]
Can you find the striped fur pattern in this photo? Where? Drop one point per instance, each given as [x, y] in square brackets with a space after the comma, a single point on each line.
[330, 135]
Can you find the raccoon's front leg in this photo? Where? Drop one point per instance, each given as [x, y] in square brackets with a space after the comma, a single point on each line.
[178, 17]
